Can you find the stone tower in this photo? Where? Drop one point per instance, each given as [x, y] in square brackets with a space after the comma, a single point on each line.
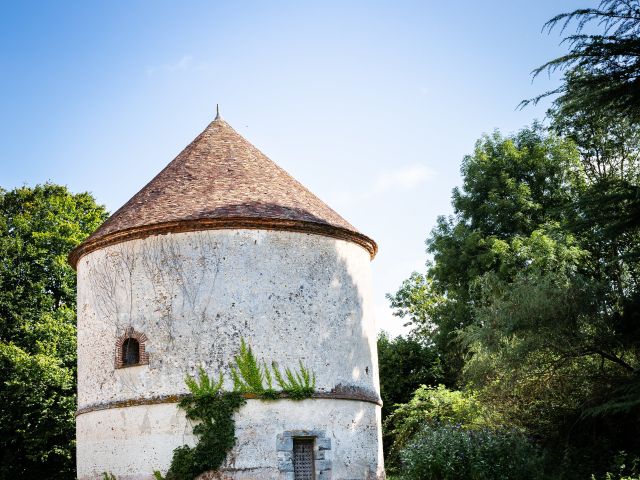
[221, 245]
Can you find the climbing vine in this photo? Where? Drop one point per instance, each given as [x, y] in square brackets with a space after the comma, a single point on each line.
[213, 408]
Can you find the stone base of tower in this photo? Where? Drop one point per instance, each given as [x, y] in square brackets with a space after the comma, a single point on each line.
[132, 442]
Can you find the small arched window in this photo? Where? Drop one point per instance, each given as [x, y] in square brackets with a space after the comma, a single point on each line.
[130, 352]
[131, 349]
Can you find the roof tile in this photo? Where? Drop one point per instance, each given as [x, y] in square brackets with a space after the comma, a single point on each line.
[220, 180]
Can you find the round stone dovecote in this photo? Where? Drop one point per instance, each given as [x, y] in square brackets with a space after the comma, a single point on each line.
[223, 245]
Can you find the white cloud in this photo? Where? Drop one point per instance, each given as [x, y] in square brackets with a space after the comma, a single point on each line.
[400, 180]
[185, 63]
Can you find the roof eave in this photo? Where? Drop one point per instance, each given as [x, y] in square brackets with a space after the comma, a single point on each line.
[179, 226]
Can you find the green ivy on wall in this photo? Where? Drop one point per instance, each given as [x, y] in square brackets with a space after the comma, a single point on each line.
[213, 408]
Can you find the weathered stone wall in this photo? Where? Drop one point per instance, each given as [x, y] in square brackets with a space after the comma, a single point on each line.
[291, 296]
[144, 437]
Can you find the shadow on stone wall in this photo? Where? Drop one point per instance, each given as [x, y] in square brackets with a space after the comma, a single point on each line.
[292, 296]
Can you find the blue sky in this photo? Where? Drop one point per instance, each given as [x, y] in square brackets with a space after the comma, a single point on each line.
[371, 105]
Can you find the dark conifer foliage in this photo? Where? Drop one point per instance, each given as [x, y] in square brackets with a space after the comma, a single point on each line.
[603, 60]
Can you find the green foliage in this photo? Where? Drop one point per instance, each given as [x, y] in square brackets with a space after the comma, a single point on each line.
[38, 396]
[249, 377]
[625, 468]
[605, 63]
[533, 294]
[415, 302]
[38, 228]
[206, 386]
[405, 363]
[609, 144]
[213, 411]
[512, 186]
[296, 384]
[269, 392]
[450, 452]
[614, 476]
[108, 476]
[556, 345]
[433, 406]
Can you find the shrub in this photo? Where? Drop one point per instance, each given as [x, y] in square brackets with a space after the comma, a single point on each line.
[625, 466]
[448, 452]
[432, 405]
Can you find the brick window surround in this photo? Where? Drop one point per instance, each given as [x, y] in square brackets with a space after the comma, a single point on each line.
[321, 453]
[141, 338]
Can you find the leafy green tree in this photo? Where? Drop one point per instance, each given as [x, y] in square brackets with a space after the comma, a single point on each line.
[604, 67]
[511, 186]
[534, 288]
[405, 363]
[533, 293]
[609, 143]
[555, 349]
[38, 228]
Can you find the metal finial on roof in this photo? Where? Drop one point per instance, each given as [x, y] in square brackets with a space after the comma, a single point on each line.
[218, 117]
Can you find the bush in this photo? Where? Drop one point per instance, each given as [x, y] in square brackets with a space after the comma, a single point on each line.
[432, 406]
[405, 363]
[625, 466]
[450, 452]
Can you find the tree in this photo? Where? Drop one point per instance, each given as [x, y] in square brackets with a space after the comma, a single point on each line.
[405, 363]
[511, 186]
[38, 228]
[609, 144]
[534, 288]
[557, 350]
[604, 67]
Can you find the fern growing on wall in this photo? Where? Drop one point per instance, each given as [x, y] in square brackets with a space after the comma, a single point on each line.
[213, 408]
[297, 385]
[249, 376]
[206, 387]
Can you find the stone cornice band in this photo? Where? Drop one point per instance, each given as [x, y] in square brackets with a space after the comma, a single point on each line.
[354, 394]
[222, 224]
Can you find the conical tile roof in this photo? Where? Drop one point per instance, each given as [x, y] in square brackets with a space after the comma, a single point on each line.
[221, 181]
